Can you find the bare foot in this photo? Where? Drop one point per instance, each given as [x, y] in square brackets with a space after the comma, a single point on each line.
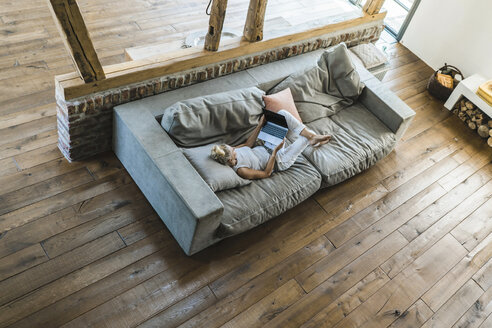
[318, 140]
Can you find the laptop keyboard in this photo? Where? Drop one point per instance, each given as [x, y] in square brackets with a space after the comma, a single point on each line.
[274, 131]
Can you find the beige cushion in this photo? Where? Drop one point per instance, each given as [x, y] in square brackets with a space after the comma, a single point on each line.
[281, 100]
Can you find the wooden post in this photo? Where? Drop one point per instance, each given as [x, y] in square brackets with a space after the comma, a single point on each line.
[74, 33]
[217, 16]
[253, 29]
[372, 7]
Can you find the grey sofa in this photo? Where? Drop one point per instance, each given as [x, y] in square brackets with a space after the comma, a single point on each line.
[363, 133]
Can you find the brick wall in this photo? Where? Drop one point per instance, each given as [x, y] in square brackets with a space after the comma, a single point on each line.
[85, 124]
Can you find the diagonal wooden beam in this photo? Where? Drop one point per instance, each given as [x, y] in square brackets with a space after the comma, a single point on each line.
[253, 29]
[74, 33]
[372, 7]
[216, 22]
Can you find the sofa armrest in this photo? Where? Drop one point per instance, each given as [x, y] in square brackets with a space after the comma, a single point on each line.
[186, 204]
[386, 106]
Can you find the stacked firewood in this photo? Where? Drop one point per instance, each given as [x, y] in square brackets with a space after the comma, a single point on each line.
[474, 118]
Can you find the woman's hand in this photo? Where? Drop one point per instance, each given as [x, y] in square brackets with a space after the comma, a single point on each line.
[280, 145]
[262, 120]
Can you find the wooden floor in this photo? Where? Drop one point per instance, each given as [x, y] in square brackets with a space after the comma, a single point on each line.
[407, 243]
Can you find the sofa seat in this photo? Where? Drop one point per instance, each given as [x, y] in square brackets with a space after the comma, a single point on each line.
[359, 140]
[251, 205]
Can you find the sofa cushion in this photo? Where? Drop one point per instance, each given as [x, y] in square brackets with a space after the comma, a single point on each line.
[227, 117]
[326, 88]
[217, 176]
[281, 100]
[249, 206]
[359, 140]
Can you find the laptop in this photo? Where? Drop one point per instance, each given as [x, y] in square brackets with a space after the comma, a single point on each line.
[274, 130]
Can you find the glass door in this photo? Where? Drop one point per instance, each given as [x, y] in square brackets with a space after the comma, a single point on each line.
[399, 14]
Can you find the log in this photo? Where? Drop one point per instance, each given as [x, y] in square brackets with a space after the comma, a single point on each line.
[483, 131]
[490, 132]
[490, 124]
[469, 105]
[489, 141]
[372, 7]
[253, 29]
[463, 108]
[472, 125]
[215, 25]
[73, 31]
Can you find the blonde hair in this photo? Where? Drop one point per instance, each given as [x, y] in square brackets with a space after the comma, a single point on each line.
[221, 154]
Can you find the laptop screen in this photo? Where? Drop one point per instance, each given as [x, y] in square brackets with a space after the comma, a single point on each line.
[275, 118]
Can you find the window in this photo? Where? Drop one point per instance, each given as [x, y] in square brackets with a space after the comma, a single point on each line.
[399, 14]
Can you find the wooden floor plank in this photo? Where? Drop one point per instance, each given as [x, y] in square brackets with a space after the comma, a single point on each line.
[446, 216]
[459, 275]
[350, 300]
[360, 243]
[244, 297]
[38, 156]
[42, 190]
[183, 310]
[339, 283]
[373, 213]
[476, 227]
[60, 201]
[21, 261]
[93, 229]
[387, 304]
[58, 267]
[37, 174]
[7, 167]
[151, 301]
[415, 316]
[455, 306]
[421, 223]
[141, 229]
[47, 296]
[477, 313]
[268, 308]
[28, 144]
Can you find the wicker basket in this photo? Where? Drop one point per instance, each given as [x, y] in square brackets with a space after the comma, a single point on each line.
[437, 89]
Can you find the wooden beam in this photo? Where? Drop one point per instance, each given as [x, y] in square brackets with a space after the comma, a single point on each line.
[74, 33]
[372, 7]
[153, 67]
[217, 16]
[253, 29]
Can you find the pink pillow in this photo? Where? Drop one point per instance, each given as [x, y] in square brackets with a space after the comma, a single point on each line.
[281, 100]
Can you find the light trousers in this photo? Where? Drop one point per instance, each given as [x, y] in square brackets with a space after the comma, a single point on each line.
[288, 154]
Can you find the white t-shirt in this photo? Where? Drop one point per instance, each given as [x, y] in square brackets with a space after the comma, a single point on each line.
[254, 158]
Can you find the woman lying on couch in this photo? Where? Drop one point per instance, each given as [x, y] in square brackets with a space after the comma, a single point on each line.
[251, 161]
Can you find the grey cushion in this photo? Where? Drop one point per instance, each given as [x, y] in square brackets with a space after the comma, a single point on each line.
[369, 55]
[217, 176]
[247, 207]
[359, 140]
[227, 117]
[325, 88]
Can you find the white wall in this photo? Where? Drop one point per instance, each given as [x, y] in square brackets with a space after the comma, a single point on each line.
[458, 32]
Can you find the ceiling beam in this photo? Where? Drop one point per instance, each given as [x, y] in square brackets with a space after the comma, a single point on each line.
[253, 29]
[372, 7]
[216, 22]
[73, 31]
